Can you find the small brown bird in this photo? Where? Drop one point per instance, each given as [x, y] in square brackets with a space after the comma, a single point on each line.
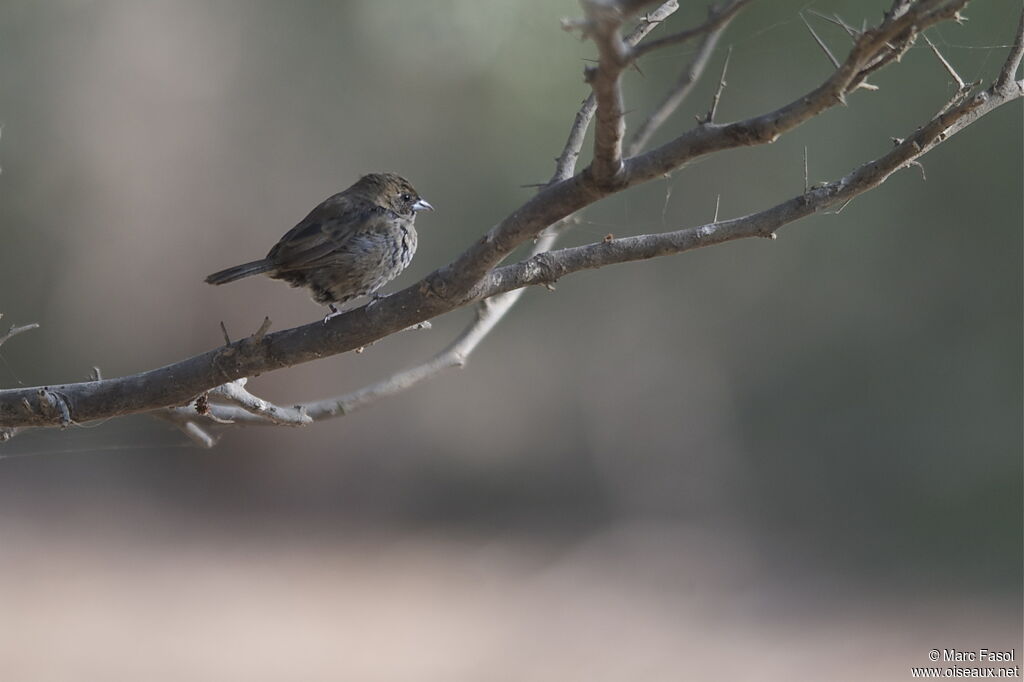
[351, 245]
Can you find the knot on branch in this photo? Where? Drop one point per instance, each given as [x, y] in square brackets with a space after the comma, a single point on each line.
[543, 269]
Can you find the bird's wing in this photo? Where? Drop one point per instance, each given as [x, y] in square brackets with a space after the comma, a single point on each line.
[327, 229]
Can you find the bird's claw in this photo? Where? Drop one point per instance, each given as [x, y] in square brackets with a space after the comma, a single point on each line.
[374, 298]
[334, 313]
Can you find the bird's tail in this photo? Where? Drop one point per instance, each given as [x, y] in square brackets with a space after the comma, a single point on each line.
[240, 271]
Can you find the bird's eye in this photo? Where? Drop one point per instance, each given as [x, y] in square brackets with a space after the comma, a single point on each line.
[406, 197]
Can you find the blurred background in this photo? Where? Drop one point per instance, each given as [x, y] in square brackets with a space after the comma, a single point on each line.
[791, 459]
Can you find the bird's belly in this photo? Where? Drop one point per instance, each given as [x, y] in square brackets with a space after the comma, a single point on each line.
[364, 266]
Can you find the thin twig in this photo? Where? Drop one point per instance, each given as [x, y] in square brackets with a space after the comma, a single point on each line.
[234, 392]
[764, 223]
[15, 330]
[675, 97]
[718, 17]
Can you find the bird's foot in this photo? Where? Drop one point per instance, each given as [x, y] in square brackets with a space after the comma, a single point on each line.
[334, 312]
[374, 298]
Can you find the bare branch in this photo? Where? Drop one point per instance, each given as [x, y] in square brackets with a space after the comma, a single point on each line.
[720, 15]
[875, 47]
[675, 97]
[565, 164]
[234, 392]
[604, 20]
[1009, 71]
[15, 330]
[553, 265]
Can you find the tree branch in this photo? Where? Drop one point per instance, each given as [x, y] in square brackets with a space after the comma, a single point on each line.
[684, 85]
[565, 164]
[604, 20]
[1009, 70]
[548, 267]
[873, 49]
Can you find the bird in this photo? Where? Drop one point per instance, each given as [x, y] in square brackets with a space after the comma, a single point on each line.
[351, 245]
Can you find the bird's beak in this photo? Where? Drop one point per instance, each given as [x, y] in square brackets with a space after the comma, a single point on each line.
[422, 205]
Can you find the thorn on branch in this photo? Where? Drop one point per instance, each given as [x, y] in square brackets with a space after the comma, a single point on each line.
[195, 433]
[224, 331]
[807, 184]
[845, 204]
[960, 85]
[710, 117]
[96, 374]
[821, 43]
[838, 21]
[198, 434]
[262, 331]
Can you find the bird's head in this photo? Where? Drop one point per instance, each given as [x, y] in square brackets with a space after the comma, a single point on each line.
[391, 191]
